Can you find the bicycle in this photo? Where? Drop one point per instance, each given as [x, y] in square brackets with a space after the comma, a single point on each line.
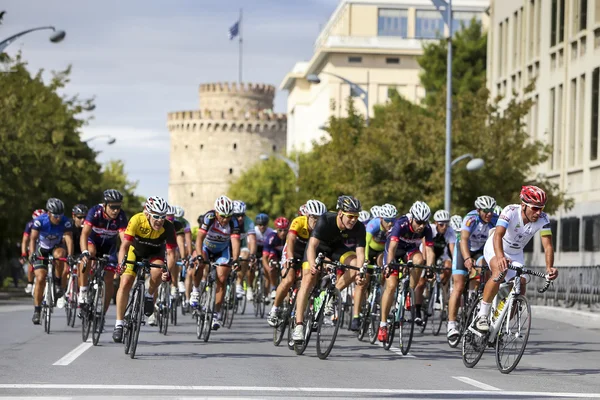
[435, 305]
[163, 307]
[230, 301]
[48, 300]
[258, 292]
[510, 318]
[324, 308]
[134, 313]
[206, 306]
[370, 313]
[71, 296]
[287, 308]
[92, 311]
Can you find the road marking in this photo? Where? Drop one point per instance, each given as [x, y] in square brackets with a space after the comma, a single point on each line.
[176, 388]
[398, 351]
[73, 354]
[475, 383]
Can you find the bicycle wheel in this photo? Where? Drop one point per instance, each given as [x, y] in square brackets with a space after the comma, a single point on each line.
[348, 305]
[98, 312]
[49, 304]
[71, 303]
[166, 310]
[86, 311]
[374, 318]
[231, 302]
[282, 324]
[137, 313]
[208, 313]
[329, 323]
[258, 293]
[437, 309]
[242, 303]
[309, 319]
[174, 307]
[407, 321]
[513, 335]
[365, 319]
[473, 342]
[127, 327]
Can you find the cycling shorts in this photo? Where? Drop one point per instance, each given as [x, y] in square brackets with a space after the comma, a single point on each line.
[458, 262]
[132, 257]
[340, 254]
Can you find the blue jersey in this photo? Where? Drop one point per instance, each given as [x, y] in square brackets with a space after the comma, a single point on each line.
[104, 230]
[28, 226]
[51, 235]
[478, 230]
[374, 228]
[273, 245]
[408, 239]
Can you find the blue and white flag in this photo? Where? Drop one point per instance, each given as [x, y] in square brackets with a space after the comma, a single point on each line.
[234, 30]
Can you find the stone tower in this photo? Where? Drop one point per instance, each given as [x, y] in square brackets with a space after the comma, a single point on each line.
[212, 146]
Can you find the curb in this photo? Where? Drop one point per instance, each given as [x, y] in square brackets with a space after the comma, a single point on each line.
[580, 319]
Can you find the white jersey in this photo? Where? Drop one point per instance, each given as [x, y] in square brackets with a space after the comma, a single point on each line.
[518, 234]
[260, 237]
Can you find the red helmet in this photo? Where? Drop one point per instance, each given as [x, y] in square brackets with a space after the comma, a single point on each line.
[38, 212]
[282, 223]
[533, 196]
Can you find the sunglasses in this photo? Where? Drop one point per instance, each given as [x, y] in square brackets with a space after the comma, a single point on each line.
[80, 216]
[487, 210]
[389, 219]
[158, 217]
[536, 209]
[421, 222]
[56, 215]
[281, 230]
[225, 215]
[116, 207]
[442, 223]
[350, 216]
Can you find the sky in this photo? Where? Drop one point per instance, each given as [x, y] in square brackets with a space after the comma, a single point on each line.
[140, 59]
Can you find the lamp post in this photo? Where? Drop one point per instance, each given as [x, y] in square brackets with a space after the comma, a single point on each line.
[111, 139]
[355, 90]
[473, 165]
[56, 37]
[294, 166]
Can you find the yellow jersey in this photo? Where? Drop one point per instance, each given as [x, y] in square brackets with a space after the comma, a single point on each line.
[147, 241]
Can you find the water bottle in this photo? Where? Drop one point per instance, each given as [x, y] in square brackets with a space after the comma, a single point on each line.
[319, 300]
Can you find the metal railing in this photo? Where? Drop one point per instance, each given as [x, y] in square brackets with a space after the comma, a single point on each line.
[576, 287]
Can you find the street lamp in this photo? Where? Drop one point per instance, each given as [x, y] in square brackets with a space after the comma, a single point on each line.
[473, 165]
[56, 37]
[294, 166]
[111, 139]
[355, 90]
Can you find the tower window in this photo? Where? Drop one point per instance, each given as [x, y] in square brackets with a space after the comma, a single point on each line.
[192, 194]
[181, 173]
[201, 146]
[235, 146]
[186, 146]
[230, 171]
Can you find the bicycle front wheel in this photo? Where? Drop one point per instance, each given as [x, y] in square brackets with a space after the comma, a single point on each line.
[98, 312]
[208, 313]
[513, 335]
[309, 319]
[438, 310]
[231, 301]
[329, 323]
[374, 319]
[473, 341]
[407, 321]
[137, 311]
[282, 323]
[86, 323]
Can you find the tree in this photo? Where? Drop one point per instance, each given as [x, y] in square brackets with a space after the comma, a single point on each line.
[469, 55]
[114, 177]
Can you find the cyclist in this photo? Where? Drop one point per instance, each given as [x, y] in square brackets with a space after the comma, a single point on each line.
[103, 223]
[375, 211]
[469, 253]
[340, 237]
[261, 229]
[180, 250]
[517, 224]
[403, 241]
[218, 239]
[498, 209]
[444, 240]
[272, 251]
[187, 230]
[50, 229]
[302, 211]
[248, 250]
[147, 236]
[456, 223]
[295, 245]
[24, 259]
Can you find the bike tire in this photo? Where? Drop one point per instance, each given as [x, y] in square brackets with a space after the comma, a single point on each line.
[519, 304]
[279, 329]
[258, 293]
[325, 344]
[166, 310]
[230, 310]
[137, 315]
[364, 321]
[208, 315]
[98, 312]
[242, 303]
[407, 322]
[86, 323]
[309, 317]
[437, 316]
[49, 305]
[71, 304]
[473, 345]
[374, 319]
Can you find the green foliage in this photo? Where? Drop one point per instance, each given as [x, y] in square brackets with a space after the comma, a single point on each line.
[114, 177]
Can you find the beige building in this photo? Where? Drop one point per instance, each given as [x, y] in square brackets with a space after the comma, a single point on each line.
[374, 44]
[557, 42]
[213, 145]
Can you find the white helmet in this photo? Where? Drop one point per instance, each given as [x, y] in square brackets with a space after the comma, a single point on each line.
[375, 211]
[315, 207]
[456, 222]
[388, 211]
[498, 209]
[224, 205]
[485, 203]
[156, 205]
[179, 212]
[302, 210]
[420, 211]
[170, 210]
[441, 216]
[364, 216]
[239, 207]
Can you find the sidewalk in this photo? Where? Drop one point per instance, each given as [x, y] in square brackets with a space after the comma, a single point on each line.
[580, 319]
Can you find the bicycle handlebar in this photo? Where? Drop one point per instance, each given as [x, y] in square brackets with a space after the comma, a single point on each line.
[522, 270]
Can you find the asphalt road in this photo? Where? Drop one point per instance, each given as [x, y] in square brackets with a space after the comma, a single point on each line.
[561, 360]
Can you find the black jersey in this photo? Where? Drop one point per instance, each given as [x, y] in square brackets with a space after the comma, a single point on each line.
[332, 238]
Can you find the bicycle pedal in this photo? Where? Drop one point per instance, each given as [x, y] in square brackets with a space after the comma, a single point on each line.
[472, 329]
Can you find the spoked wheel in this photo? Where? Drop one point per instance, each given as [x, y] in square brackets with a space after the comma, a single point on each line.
[47, 318]
[71, 304]
[98, 313]
[47, 309]
[374, 318]
[473, 341]
[513, 335]
[407, 322]
[256, 298]
[136, 322]
[391, 327]
[127, 327]
[348, 304]
[166, 311]
[309, 319]
[438, 310]
[282, 324]
[364, 321]
[231, 302]
[242, 303]
[208, 313]
[329, 324]
[86, 322]
[174, 307]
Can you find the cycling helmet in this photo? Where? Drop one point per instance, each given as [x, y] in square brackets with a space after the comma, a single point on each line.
[156, 205]
[441, 216]
[80, 209]
[315, 207]
[348, 204]
[38, 212]
[456, 222]
[485, 203]
[282, 223]
[498, 209]
[179, 212]
[420, 211]
[364, 216]
[375, 211]
[388, 211]
[239, 207]
[170, 210]
[302, 210]
[112, 196]
[55, 206]
[224, 205]
[533, 196]
[261, 219]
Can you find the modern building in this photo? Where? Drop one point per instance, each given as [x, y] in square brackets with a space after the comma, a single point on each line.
[373, 44]
[557, 42]
[213, 145]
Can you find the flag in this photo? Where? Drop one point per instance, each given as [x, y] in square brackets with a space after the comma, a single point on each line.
[234, 30]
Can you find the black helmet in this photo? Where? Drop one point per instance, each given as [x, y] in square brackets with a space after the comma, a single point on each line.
[55, 206]
[112, 196]
[261, 219]
[200, 219]
[348, 204]
[80, 209]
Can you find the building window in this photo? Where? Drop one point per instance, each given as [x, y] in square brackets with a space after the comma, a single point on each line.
[235, 146]
[230, 171]
[182, 173]
[392, 22]
[591, 233]
[354, 59]
[392, 60]
[186, 146]
[582, 15]
[554, 229]
[463, 19]
[192, 194]
[557, 30]
[429, 24]
[594, 133]
[569, 237]
[201, 146]
[274, 147]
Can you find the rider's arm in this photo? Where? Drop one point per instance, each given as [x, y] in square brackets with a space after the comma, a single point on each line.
[430, 256]
[35, 234]
[68, 238]
[311, 251]
[181, 245]
[290, 241]
[464, 244]
[548, 251]
[171, 259]
[251, 243]
[188, 244]
[85, 234]
[360, 256]
[24, 245]
[200, 240]
[235, 246]
[498, 235]
[368, 238]
[391, 251]
[124, 249]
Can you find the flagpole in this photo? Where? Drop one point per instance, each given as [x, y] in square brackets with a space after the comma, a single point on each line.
[240, 47]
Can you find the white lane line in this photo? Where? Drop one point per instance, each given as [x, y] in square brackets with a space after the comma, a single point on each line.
[475, 383]
[73, 354]
[398, 351]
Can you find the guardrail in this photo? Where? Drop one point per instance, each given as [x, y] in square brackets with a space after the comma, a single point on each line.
[576, 287]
